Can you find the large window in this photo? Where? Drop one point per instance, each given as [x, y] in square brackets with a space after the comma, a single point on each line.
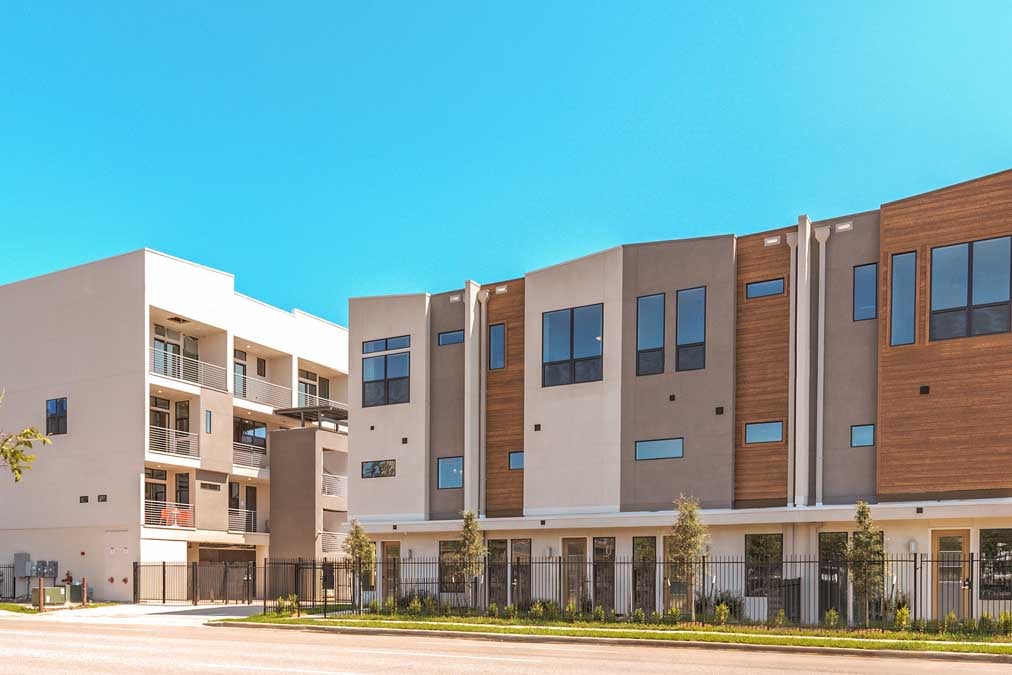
[996, 564]
[761, 289]
[764, 432]
[902, 296]
[572, 344]
[862, 436]
[450, 474]
[497, 346]
[865, 292]
[386, 344]
[650, 334]
[453, 337]
[451, 568]
[383, 468]
[386, 379]
[56, 416]
[690, 332]
[764, 567]
[970, 289]
[249, 432]
[664, 448]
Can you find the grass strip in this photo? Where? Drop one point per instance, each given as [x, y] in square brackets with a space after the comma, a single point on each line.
[20, 609]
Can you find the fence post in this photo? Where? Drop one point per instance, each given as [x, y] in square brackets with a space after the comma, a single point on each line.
[915, 591]
[265, 584]
[324, 578]
[163, 582]
[42, 595]
[137, 582]
[194, 593]
[298, 587]
[970, 587]
[84, 591]
[251, 572]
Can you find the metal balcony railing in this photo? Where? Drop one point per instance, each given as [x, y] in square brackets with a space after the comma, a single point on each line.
[242, 520]
[168, 514]
[332, 542]
[174, 442]
[335, 486]
[250, 456]
[314, 401]
[185, 369]
[262, 391]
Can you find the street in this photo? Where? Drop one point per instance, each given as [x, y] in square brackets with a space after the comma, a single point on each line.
[175, 641]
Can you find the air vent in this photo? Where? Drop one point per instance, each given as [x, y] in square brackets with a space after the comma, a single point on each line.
[771, 241]
[178, 319]
[455, 298]
[499, 290]
[844, 227]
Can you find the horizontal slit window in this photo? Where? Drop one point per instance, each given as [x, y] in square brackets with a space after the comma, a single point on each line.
[762, 289]
[664, 448]
[764, 432]
[453, 337]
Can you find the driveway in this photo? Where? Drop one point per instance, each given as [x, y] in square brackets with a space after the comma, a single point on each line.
[147, 615]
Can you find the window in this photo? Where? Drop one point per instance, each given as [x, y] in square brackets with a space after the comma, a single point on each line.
[386, 344]
[650, 334]
[155, 474]
[214, 487]
[386, 379]
[764, 554]
[182, 488]
[83, 499]
[384, 468]
[450, 472]
[690, 331]
[761, 289]
[261, 367]
[996, 564]
[764, 432]
[970, 289]
[307, 375]
[862, 436]
[453, 337]
[249, 432]
[103, 498]
[239, 355]
[56, 416]
[451, 569]
[497, 346]
[865, 292]
[664, 448]
[572, 344]
[902, 295]
[162, 403]
[207, 421]
[516, 460]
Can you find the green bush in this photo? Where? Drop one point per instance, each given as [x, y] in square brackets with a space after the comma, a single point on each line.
[902, 620]
[986, 624]
[414, 607]
[493, 610]
[950, 624]
[778, 619]
[552, 611]
[1005, 623]
[655, 617]
[287, 604]
[374, 606]
[537, 611]
[969, 625]
[831, 618]
[571, 610]
[599, 614]
[389, 606]
[721, 613]
[920, 625]
[932, 626]
[638, 616]
[430, 606]
[612, 617]
[509, 612]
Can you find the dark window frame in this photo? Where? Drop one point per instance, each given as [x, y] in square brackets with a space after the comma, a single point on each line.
[491, 366]
[750, 284]
[678, 345]
[385, 342]
[386, 380]
[652, 350]
[892, 299]
[393, 464]
[874, 435]
[853, 293]
[969, 307]
[56, 422]
[572, 361]
[636, 451]
[439, 485]
[995, 565]
[261, 367]
[760, 573]
[509, 460]
[449, 334]
[744, 432]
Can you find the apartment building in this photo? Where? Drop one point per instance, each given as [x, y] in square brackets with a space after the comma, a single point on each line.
[171, 400]
[777, 377]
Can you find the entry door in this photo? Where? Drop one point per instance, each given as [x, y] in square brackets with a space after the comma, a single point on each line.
[604, 572]
[521, 573]
[391, 569]
[239, 370]
[251, 508]
[574, 571]
[497, 572]
[644, 570]
[833, 570]
[166, 358]
[950, 550]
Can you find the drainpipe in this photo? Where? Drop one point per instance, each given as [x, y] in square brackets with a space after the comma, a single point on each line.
[792, 242]
[822, 236]
[483, 378]
[803, 368]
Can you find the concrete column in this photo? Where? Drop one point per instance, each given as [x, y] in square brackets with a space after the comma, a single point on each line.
[483, 375]
[822, 236]
[803, 368]
[472, 395]
[792, 242]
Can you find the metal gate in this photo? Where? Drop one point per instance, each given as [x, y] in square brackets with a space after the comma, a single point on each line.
[204, 582]
[6, 582]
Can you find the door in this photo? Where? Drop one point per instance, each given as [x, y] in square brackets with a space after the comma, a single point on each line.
[166, 358]
[391, 570]
[239, 374]
[251, 508]
[604, 572]
[833, 574]
[182, 439]
[307, 394]
[951, 569]
[644, 573]
[521, 571]
[574, 572]
[191, 354]
[497, 572]
[160, 440]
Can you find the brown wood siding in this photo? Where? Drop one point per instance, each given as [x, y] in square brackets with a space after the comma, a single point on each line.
[762, 368]
[504, 399]
[957, 440]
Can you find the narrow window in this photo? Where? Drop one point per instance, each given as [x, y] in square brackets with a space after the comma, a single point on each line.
[865, 292]
[207, 421]
[497, 346]
[453, 337]
[572, 345]
[664, 448]
[902, 296]
[384, 468]
[690, 331]
[400, 342]
[261, 367]
[764, 432]
[386, 344]
[372, 346]
[450, 473]
[516, 460]
[761, 289]
[650, 334]
[56, 416]
[764, 567]
[862, 436]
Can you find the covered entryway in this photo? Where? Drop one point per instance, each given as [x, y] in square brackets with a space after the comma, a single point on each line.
[951, 591]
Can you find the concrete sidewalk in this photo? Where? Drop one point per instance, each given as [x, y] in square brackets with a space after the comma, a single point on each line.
[154, 615]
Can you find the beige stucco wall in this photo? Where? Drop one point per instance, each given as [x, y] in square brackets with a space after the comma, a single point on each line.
[446, 400]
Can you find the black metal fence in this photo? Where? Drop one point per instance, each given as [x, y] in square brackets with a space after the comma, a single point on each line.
[7, 581]
[798, 590]
[196, 582]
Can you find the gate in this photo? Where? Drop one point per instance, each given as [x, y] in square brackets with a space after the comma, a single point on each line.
[6, 582]
[194, 583]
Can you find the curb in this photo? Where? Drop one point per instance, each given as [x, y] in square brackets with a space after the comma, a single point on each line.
[638, 642]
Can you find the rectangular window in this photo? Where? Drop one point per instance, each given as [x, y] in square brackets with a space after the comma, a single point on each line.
[572, 345]
[239, 354]
[386, 344]
[307, 375]
[158, 402]
[497, 346]
[207, 421]
[453, 337]
[764, 554]
[970, 289]
[996, 564]
[761, 289]
[384, 468]
[650, 334]
[56, 416]
[451, 568]
[249, 432]
[865, 292]
[664, 448]
[516, 460]
[155, 474]
[902, 296]
[764, 432]
[261, 367]
[450, 473]
[862, 436]
[386, 379]
[690, 330]
[182, 488]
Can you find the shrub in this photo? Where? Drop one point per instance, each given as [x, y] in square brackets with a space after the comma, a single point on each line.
[778, 619]
[571, 610]
[831, 618]
[509, 611]
[414, 607]
[493, 610]
[612, 617]
[931, 626]
[638, 616]
[552, 611]
[969, 625]
[374, 606]
[920, 625]
[537, 611]
[429, 605]
[599, 614]
[389, 606]
[1005, 623]
[902, 620]
[287, 604]
[655, 617]
[950, 624]
[721, 613]
[986, 624]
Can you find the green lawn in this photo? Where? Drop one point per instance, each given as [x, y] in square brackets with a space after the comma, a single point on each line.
[20, 609]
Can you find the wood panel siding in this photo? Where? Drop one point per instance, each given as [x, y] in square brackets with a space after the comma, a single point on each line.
[504, 401]
[956, 441]
[762, 367]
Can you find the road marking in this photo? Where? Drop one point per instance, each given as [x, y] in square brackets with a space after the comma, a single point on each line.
[246, 667]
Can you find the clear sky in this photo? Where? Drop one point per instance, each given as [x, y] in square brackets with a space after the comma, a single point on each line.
[321, 150]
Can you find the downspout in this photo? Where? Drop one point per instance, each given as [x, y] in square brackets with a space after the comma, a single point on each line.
[792, 242]
[822, 235]
[482, 387]
[803, 367]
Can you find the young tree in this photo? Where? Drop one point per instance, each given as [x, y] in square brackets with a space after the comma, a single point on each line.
[686, 545]
[15, 448]
[472, 549]
[866, 555]
[362, 552]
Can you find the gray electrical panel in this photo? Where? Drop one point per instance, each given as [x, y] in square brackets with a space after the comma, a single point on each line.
[44, 568]
[22, 565]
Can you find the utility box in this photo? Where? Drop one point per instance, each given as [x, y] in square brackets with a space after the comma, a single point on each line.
[55, 595]
[22, 565]
[76, 594]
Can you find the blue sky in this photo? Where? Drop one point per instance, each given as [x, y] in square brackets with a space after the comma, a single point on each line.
[327, 150]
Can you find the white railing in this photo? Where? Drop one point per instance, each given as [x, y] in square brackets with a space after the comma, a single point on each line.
[186, 369]
[335, 486]
[314, 401]
[168, 514]
[249, 455]
[242, 520]
[173, 442]
[332, 542]
[262, 391]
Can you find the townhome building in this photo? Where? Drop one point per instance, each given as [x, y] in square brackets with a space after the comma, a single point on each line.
[778, 378]
[173, 404]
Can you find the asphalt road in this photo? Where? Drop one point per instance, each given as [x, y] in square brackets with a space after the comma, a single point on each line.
[34, 644]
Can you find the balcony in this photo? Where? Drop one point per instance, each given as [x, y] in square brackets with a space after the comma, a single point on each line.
[250, 456]
[173, 442]
[242, 520]
[262, 391]
[314, 401]
[185, 369]
[335, 486]
[332, 542]
[168, 514]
